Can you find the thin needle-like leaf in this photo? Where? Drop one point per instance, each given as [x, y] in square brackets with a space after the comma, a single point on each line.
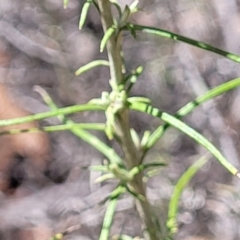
[64, 127]
[143, 107]
[106, 37]
[99, 145]
[85, 135]
[117, 6]
[83, 15]
[174, 36]
[91, 65]
[65, 3]
[108, 219]
[223, 88]
[53, 113]
[174, 201]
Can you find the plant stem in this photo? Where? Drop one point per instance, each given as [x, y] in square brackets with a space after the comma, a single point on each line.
[132, 156]
[113, 47]
[133, 159]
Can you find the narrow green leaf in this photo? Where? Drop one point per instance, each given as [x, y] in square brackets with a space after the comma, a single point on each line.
[110, 123]
[151, 164]
[120, 189]
[104, 177]
[120, 173]
[174, 36]
[136, 195]
[106, 37]
[64, 127]
[143, 107]
[65, 3]
[46, 98]
[134, 171]
[53, 113]
[99, 145]
[145, 139]
[91, 65]
[131, 79]
[139, 99]
[117, 6]
[135, 137]
[99, 168]
[108, 219]
[225, 87]
[132, 31]
[84, 13]
[133, 7]
[109, 215]
[85, 135]
[174, 201]
[134, 77]
[124, 17]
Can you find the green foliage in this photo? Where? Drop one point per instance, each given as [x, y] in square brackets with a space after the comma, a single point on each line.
[65, 3]
[199, 138]
[182, 182]
[130, 169]
[83, 15]
[91, 65]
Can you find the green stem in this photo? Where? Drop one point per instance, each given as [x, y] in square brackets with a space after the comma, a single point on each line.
[131, 153]
[113, 46]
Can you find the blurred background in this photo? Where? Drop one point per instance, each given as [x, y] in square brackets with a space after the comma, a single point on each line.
[46, 49]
